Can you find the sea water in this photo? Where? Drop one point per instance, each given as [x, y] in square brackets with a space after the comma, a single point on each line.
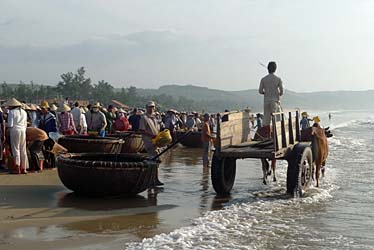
[338, 215]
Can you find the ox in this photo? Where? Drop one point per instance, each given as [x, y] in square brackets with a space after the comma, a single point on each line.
[318, 137]
[320, 150]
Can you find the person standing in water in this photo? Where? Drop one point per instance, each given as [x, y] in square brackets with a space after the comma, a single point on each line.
[206, 139]
[271, 87]
[149, 127]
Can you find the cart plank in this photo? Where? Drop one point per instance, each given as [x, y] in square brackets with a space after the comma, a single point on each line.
[249, 151]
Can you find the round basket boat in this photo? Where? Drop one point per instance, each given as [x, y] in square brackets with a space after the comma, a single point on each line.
[106, 174]
[91, 144]
[133, 142]
[193, 140]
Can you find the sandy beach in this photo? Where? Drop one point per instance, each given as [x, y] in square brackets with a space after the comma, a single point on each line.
[38, 212]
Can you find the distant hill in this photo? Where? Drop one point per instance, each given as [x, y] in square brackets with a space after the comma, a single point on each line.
[217, 100]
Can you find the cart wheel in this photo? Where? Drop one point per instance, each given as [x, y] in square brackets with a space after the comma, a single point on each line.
[223, 174]
[300, 170]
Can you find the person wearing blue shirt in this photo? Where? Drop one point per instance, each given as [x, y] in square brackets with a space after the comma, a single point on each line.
[259, 121]
[304, 123]
[48, 123]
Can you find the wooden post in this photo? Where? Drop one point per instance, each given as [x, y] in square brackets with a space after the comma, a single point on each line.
[275, 135]
[298, 135]
[218, 136]
[290, 129]
[283, 131]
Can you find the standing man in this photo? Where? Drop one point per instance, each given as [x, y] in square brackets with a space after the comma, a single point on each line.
[171, 123]
[17, 124]
[96, 121]
[48, 124]
[206, 139]
[272, 88]
[76, 112]
[134, 120]
[110, 118]
[150, 127]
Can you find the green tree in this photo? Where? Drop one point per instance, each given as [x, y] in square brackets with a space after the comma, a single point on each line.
[23, 92]
[6, 91]
[103, 92]
[75, 86]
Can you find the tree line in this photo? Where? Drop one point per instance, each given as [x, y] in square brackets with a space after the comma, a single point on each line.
[77, 86]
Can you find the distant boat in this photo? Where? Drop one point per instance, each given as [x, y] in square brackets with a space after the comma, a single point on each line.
[193, 140]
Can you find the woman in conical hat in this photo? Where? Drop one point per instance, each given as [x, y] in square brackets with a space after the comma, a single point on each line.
[65, 121]
[31, 112]
[17, 123]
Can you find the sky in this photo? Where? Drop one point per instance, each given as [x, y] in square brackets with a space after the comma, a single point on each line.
[319, 45]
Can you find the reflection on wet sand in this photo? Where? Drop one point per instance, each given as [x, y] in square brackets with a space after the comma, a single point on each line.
[204, 195]
[219, 202]
[70, 200]
[141, 225]
[182, 155]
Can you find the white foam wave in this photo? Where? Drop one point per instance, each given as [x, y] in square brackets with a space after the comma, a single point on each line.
[365, 122]
[246, 224]
[343, 124]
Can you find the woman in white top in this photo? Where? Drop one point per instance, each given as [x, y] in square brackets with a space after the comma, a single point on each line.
[82, 122]
[17, 123]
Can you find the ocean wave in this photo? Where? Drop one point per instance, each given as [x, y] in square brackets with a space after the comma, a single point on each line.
[354, 123]
[249, 224]
[344, 124]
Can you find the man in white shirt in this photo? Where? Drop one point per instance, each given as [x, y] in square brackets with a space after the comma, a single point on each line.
[150, 127]
[272, 88]
[17, 123]
[76, 111]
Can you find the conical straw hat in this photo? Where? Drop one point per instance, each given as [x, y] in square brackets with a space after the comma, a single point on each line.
[57, 149]
[53, 107]
[96, 105]
[316, 119]
[26, 107]
[13, 102]
[64, 108]
[44, 105]
[32, 107]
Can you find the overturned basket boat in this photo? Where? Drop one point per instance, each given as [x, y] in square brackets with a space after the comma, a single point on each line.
[90, 144]
[91, 174]
[133, 142]
[193, 140]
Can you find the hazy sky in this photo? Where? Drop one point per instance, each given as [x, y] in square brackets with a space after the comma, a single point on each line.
[318, 44]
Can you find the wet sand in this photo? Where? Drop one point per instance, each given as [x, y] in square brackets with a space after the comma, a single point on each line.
[38, 212]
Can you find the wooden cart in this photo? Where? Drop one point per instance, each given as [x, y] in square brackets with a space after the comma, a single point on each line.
[233, 142]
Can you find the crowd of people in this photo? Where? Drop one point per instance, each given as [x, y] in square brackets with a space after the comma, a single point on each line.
[46, 120]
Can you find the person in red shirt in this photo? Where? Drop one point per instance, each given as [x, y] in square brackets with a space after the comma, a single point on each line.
[122, 123]
[206, 139]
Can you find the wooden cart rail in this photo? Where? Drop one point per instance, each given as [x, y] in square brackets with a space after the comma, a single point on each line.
[233, 136]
